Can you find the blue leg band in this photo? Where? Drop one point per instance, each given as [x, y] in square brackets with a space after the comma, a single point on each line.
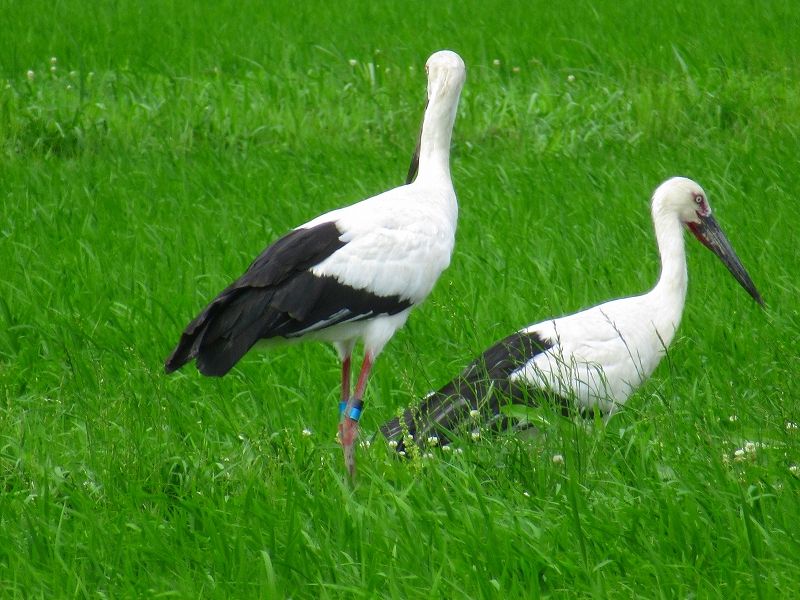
[342, 406]
[356, 410]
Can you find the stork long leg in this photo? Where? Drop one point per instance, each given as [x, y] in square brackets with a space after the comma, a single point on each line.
[345, 351]
[352, 413]
[345, 391]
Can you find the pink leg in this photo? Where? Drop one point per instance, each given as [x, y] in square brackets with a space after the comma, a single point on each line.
[345, 391]
[352, 413]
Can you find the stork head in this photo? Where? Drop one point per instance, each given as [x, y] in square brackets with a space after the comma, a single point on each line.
[446, 76]
[687, 200]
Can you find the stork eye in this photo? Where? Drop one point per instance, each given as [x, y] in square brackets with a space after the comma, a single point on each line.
[698, 198]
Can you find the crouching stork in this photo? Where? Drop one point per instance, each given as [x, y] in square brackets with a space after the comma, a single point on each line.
[589, 361]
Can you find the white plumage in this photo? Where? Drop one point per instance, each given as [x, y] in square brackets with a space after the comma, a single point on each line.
[594, 359]
[350, 274]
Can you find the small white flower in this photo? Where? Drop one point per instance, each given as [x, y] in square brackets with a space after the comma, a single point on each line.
[447, 448]
[30, 75]
[53, 60]
[352, 62]
[738, 455]
[392, 444]
[794, 469]
[366, 443]
[733, 418]
[749, 447]
[427, 455]
[791, 425]
[515, 69]
[433, 440]
[496, 62]
[474, 413]
[53, 69]
[402, 453]
[459, 451]
[558, 459]
[476, 435]
[571, 78]
[306, 432]
[526, 494]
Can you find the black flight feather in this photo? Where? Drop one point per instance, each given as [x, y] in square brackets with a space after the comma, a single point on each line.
[278, 296]
[485, 386]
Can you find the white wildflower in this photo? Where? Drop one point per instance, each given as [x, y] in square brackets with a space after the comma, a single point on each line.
[30, 75]
[791, 425]
[558, 459]
[427, 455]
[474, 413]
[526, 494]
[794, 469]
[402, 453]
[53, 60]
[476, 435]
[306, 432]
[749, 447]
[392, 444]
[433, 440]
[459, 451]
[571, 78]
[733, 418]
[447, 448]
[352, 62]
[496, 62]
[515, 69]
[738, 455]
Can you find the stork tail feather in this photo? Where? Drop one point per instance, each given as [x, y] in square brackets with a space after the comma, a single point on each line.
[472, 400]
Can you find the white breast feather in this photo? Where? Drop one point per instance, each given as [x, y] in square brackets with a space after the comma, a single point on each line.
[398, 243]
[601, 355]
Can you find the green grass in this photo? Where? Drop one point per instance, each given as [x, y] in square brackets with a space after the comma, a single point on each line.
[176, 139]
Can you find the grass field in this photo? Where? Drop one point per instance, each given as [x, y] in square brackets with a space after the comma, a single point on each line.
[148, 150]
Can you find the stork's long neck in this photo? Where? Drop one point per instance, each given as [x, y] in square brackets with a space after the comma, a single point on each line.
[670, 291]
[437, 131]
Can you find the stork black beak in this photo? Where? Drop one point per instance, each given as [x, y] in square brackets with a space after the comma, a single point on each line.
[412, 170]
[710, 234]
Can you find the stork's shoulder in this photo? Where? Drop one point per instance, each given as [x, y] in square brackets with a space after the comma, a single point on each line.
[405, 208]
[595, 325]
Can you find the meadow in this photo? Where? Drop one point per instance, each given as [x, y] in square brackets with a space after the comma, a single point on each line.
[149, 150]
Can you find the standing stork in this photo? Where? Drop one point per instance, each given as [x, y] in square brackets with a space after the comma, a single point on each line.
[592, 360]
[350, 274]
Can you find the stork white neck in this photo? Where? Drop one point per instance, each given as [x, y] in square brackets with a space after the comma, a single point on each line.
[434, 148]
[670, 291]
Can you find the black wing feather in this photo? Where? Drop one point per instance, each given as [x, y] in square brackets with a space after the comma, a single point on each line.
[276, 297]
[485, 386]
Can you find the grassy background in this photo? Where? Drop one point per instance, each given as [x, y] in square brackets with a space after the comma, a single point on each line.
[173, 140]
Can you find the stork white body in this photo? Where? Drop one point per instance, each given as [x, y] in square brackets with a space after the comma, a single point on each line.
[351, 274]
[595, 359]
[397, 244]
